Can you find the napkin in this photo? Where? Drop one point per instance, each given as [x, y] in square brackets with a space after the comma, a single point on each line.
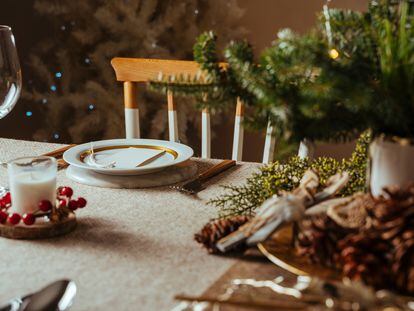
[131, 157]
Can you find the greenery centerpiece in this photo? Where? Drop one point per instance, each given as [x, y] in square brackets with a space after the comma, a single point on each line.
[354, 71]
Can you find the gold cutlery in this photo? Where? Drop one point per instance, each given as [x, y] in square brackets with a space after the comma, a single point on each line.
[269, 305]
[58, 153]
[196, 185]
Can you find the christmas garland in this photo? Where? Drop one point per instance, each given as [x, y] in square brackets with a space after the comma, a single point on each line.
[278, 177]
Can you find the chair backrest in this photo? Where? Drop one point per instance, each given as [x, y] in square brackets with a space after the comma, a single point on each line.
[135, 70]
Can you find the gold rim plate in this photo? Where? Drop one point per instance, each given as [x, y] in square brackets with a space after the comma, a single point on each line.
[279, 249]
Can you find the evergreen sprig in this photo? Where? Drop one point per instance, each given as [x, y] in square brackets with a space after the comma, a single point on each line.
[353, 71]
[277, 177]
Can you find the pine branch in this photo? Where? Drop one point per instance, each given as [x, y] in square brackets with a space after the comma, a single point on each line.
[277, 177]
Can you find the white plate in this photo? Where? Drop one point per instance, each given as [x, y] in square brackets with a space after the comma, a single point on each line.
[175, 153]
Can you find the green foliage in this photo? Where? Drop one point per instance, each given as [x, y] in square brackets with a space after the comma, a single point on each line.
[352, 72]
[276, 178]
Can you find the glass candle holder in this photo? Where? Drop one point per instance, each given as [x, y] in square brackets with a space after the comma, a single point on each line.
[31, 180]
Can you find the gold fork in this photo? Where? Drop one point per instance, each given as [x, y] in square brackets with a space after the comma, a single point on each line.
[196, 185]
[58, 153]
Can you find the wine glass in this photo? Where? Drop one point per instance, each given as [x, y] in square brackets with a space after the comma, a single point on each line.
[10, 73]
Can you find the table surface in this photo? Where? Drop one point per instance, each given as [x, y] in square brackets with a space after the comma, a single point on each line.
[132, 249]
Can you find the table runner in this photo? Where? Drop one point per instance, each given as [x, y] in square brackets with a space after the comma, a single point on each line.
[132, 250]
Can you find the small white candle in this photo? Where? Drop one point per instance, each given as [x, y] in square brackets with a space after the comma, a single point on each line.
[27, 191]
[31, 181]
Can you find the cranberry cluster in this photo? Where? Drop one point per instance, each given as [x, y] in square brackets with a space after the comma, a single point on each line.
[64, 199]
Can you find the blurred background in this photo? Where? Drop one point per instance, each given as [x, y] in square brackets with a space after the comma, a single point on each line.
[70, 92]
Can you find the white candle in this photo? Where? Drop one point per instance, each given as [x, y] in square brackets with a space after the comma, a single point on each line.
[27, 190]
[31, 180]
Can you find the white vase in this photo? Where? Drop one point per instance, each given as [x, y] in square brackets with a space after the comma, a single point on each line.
[392, 163]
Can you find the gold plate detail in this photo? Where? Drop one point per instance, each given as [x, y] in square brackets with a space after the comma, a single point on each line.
[279, 249]
[84, 154]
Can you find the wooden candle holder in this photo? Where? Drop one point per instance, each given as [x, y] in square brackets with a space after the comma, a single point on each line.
[42, 229]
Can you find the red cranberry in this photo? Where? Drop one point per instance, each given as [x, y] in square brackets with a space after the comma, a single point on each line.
[7, 198]
[14, 219]
[29, 219]
[73, 205]
[81, 202]
[5, 201]
[3, 217]
[66, 191]
[45, 205]
[62, 203]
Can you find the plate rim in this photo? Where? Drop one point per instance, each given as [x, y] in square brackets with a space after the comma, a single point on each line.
[68, 155]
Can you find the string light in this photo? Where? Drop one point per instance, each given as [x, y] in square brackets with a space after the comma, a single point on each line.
[56, 136]
[333, 53]
[58, 75]
[91, 107]
[196, 12]
[44, 101]
[29, 113]
[53, 88]
[87, 60]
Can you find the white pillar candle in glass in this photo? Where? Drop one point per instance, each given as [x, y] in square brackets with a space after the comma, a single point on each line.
[31, 180]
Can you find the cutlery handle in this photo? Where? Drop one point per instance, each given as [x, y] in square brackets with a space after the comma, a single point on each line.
[62, 164]
[58, 152]
[216, 169]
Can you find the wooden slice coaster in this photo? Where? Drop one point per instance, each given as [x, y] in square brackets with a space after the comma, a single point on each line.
[42, 229]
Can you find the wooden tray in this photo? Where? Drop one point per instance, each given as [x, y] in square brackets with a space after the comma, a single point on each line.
[42, 229]
[279, 249]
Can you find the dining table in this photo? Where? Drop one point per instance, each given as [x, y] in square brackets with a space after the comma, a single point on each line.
[133, 249]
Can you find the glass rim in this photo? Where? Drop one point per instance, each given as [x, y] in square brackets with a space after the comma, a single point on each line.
[5, 27]
[13, 161]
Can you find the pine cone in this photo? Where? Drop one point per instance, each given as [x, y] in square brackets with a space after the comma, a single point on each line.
[392, 216]
[379, 253]
[217, 229]
[365, 257]
[403, 261]
[392, 213]
[317, 239]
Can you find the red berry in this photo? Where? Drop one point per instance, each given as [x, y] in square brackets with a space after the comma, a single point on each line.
[62, 203]
[7, 198]
[81, 202]
[29, 219]
[45, 205]
[73, 205]
[66, 191]
[3, 217]
[5, 201]
[14, 219]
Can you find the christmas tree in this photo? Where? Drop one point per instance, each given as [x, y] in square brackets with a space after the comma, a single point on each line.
[73, 79]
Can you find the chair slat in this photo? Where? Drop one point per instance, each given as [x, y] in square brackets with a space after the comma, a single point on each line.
[172, 118]
[205, 134]
[132, 129]
[306, 149]
[238, 132]
[270, 143]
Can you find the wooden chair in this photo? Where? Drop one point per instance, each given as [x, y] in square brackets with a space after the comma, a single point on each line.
[135, 70]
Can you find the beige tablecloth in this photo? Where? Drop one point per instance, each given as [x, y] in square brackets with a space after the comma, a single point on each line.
[132, 250]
